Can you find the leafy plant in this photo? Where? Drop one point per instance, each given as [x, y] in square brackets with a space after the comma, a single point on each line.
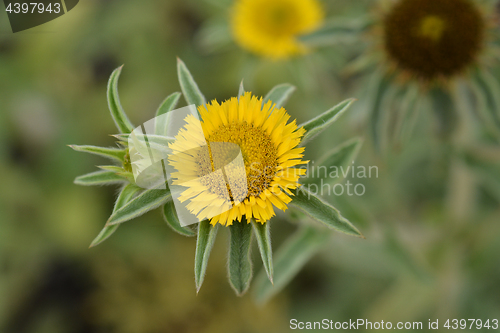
[134, 201]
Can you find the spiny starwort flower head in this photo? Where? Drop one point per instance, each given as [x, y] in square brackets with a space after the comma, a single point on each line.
[434, 38]
[269, 147]
[271, 28]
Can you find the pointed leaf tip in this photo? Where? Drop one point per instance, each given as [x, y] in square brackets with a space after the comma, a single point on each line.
[318, 124]
[189, 87]
[121, 120]
[239, 259]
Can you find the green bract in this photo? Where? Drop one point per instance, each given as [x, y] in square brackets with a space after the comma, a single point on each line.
[134, 201]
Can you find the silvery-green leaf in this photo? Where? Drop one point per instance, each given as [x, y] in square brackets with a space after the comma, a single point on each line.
[170, 216]
[445, 109]
[99, 178]
[168, 103]
[204, 244]
[127, 175]
[289, 260]
[408, 117]
[241, 90]
[126, 194]
[166, 106]
[486, 169]
[239, 261]
[487, 91]
[378, 87]
[279, 94]
[161, 140]
[112, 153]
[263, 236]
[340, 158]
[318, 124]
[336, 31]
[121, 120]
[189, 88]
[322, 212]
[123, 137]
[114, 168]
[143, 203]
[158, 143]
[364, 63]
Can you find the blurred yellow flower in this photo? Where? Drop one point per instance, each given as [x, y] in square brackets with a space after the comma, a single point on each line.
[268, 147]
[270, 28]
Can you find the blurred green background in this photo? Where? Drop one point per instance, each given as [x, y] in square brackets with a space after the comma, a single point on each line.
[425, 256]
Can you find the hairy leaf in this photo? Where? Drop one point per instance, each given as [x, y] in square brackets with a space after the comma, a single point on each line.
[204, 244]
[170, 216]
[189, 88]
[99, 178]
[143, 203]
[111, 153]
[279, 94]
[263, 236]
[121, 120]
[340, 158]
[322, 212]
[239, 261]
[126, 194]
[318, 124]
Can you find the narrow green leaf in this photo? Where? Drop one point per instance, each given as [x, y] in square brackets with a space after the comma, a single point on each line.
[166, 106]
[290, 259]
[121, 120]
[204, 244]
[318, 124]
[126, 194]
[445, 110]
[241, 91]
[239, 262]
[114, 168]
[99, 178]
[170, 216]
[486, 169]
[409, 113]
[322, 212]
[263, 236]
[112, 153]
[159, 142]
[189, 88]
[168, 103]
[378, 88]
[336, 31]
[279, 94]
[143, 203]
[121, 137]
[487, 90]
[340, 159]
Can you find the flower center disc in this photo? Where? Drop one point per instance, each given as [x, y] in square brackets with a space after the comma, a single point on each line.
[258, 152]
[432, 38]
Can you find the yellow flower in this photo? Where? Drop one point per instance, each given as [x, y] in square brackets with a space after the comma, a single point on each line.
[203, 152]
[270, 27]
